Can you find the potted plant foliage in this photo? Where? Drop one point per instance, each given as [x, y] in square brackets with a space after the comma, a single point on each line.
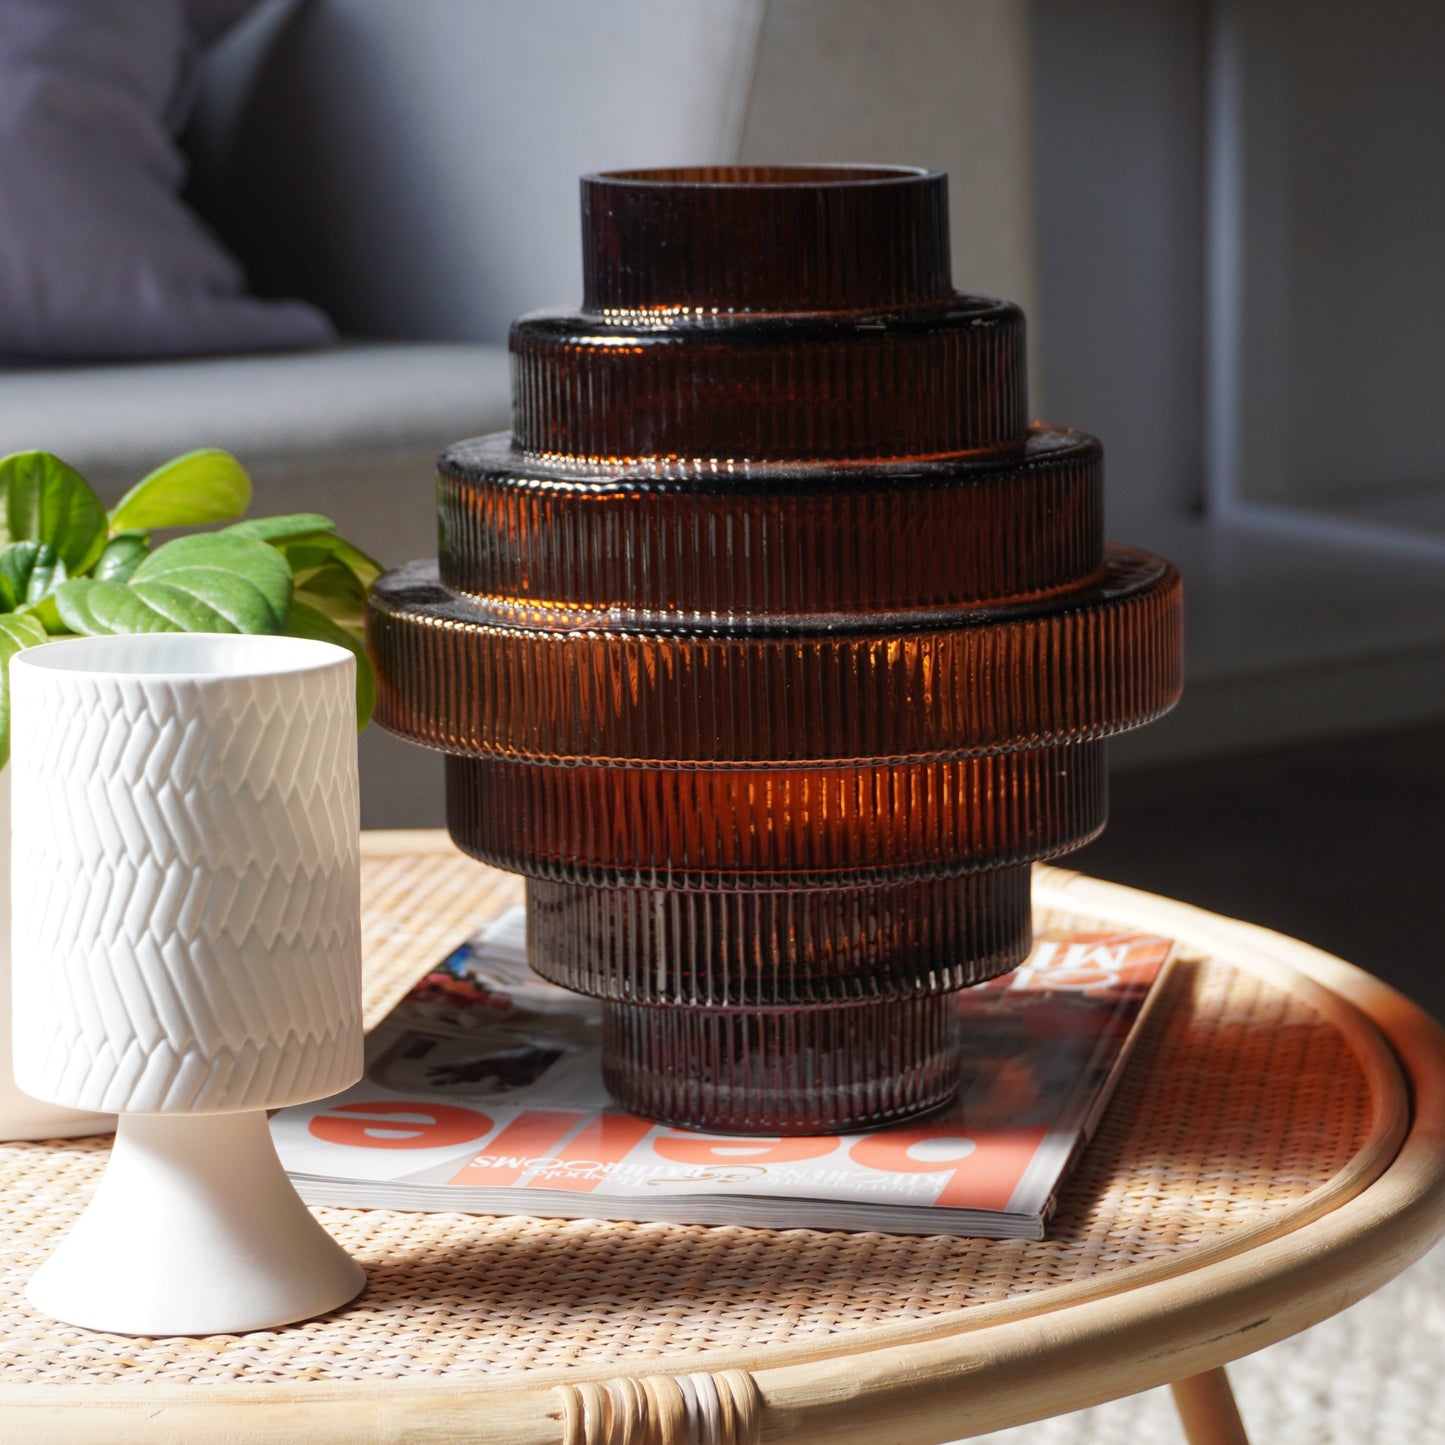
[71, 566]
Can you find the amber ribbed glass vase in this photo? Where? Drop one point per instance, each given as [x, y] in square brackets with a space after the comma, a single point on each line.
[772, 644]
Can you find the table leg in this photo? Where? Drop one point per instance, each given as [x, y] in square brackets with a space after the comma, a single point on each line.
[1207, 1410]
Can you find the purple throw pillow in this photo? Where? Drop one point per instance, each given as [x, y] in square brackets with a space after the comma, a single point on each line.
[99, 257]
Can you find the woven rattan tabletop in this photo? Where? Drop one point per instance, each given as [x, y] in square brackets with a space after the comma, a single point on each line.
[1260, 1167]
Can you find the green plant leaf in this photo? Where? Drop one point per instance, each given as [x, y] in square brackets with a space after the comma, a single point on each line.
[47, 614]
[100, 609]
[16, 634]
[32, 570]
[213, 566]
[189, 491]
[335, 592]
[312, 552]
[306, 621]
[290, 527]
[122, 555]
[23, 631]
[207, 583]
[43, 500]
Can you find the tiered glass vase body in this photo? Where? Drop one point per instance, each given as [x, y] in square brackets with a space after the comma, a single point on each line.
[772, 644]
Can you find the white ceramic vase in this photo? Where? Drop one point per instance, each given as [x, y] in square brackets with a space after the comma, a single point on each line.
[22, 1117]
[187, 955]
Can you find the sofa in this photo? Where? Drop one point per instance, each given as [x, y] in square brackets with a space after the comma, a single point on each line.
[412, 170]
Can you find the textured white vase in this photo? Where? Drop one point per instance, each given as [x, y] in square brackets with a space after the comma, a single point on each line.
[22, 1117]
[186, 954]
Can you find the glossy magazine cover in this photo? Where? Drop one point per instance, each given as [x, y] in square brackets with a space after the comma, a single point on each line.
[483, 1092]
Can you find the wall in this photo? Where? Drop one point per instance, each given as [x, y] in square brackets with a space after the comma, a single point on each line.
[1342, 111]
[1118, 136]
[1233, 296]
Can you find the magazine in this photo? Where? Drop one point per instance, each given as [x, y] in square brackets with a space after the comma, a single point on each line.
[483, 1093]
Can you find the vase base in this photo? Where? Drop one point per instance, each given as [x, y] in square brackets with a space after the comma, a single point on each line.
[194, 1230]
[810, 1070]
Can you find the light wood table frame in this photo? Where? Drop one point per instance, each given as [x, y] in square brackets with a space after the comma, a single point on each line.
[1319, 1091]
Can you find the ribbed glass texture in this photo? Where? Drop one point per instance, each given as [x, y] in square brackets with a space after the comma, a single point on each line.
[772, 643]
[775, 827]
[780, 947]
[809, 238]
[682, 546]
[940, 382]
[1103, 659]
[813, 1070]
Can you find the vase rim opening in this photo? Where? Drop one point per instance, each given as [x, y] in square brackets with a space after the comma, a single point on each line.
[764, 177]
[179, 656]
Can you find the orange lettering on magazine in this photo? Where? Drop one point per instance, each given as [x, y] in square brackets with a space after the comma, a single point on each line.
[983, 1169]
[522, 1146]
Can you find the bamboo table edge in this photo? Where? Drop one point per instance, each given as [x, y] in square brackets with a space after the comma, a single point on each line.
[927, 1384]
[1050, 1364]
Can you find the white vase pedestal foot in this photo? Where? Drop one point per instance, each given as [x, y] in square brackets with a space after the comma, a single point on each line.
[194, 1230]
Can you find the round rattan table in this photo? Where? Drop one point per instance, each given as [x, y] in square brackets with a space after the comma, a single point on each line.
[1275, 1151]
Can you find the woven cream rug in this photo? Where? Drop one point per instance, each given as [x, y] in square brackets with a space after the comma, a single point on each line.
[1374, 1375]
